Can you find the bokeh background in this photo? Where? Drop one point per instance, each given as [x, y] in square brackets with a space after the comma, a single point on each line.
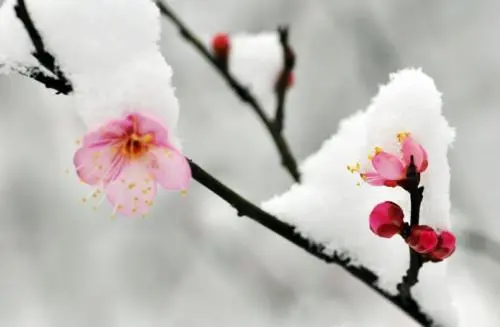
[193, 262]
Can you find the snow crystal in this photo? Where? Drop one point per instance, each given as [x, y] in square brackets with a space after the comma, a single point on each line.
[107, 48]
[330, 208]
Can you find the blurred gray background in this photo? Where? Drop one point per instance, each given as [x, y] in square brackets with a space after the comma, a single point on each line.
[192, 262]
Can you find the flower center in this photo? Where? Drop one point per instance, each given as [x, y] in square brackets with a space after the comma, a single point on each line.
[136, 146]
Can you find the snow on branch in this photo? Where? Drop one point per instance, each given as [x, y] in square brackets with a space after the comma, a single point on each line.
[219, 60]
[58, 80]
[411, 137]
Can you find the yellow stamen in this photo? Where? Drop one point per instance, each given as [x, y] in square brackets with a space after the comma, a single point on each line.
[144, 139]
[354, 168]
[402, 136]
[378, 150]
[131, 186]
[184, 192]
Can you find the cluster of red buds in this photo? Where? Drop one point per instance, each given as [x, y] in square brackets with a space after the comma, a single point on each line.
[221, 49]
[387, 218]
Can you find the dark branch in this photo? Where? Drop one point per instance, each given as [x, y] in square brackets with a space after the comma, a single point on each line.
[287, 159]
[246, 208]
[411, 185]
[59, 83]
[282, 82]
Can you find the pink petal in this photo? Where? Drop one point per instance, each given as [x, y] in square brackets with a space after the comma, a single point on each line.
[388, 166]
[412, 148]
[146, 125]
[373, 178]
[97, 164]
[112, 132]
[133, 192]
[170, 168]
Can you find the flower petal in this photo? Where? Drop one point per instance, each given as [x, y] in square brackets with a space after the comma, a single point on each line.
[133, 192]
[411, 148]
[97, 164]
[112, 132]
[169, 168]
[373, 178]
[145, 125]
[388, 166]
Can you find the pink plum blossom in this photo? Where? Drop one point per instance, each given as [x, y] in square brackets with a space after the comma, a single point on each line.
[423, 239]
[127, 158]
[390, 169]
[386, 219]
[445, 247]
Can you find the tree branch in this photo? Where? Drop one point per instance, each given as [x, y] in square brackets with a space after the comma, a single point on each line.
[279, 227]
[288, 232]
[283, 79]
[287, 159]
[59, 83]
[411, 185]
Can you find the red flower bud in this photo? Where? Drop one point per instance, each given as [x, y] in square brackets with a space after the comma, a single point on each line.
[221, 45]
[386, 219]
[445, 247]
[423, 239]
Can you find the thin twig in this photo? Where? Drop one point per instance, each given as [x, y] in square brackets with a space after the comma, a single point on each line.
[288, 232]
[287, 159]
[283, 79]
[59, 83]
